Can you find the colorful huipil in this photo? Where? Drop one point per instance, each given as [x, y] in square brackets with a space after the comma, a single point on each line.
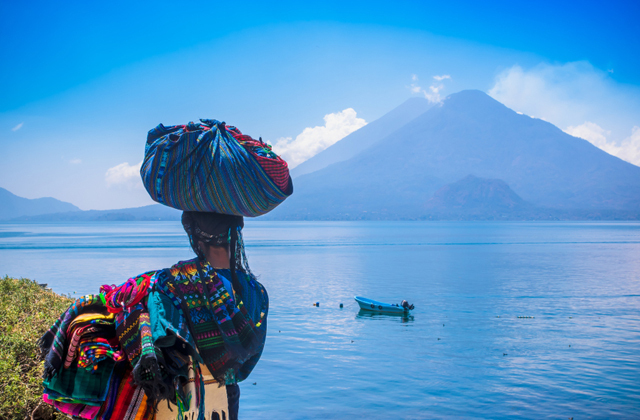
[118, 354]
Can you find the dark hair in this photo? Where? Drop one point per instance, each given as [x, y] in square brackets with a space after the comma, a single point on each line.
[216, 229]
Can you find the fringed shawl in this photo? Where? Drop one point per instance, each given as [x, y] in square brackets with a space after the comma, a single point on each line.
[53, 343]
[225, 334]
[133, 328]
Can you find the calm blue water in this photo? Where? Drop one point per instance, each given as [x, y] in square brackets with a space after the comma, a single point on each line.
[464, 353]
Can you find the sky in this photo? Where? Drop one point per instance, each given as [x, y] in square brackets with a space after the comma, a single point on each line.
[83, 82]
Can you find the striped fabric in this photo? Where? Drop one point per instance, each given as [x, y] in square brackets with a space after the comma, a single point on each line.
[127, 402]
[214, 168]
[224, 331]
[96, 349]
[75, 410]
[53, 343]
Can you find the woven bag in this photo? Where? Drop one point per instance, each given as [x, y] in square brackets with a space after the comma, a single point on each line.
[211, 167]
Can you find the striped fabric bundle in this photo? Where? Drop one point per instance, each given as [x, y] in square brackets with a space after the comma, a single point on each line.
[96, 349]
[133, 329]
[53, 343]
[126, 401]
[212, 167]
[76, 410]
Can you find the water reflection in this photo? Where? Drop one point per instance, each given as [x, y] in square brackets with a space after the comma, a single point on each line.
[404, 318]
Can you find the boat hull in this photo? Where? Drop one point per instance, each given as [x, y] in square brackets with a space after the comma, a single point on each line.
[381, 307]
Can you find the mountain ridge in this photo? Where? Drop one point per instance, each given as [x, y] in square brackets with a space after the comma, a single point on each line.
[152, 212]
[365, 137]
[12, 205]
[469, 133]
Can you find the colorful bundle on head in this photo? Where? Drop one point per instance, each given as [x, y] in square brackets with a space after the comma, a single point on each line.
[212, 167]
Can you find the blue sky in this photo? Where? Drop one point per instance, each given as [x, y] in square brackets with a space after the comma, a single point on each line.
[83, 82]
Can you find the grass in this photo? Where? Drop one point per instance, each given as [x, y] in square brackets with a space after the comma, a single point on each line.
[26, 312]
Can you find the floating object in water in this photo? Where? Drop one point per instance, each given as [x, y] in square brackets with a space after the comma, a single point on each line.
[375, 306]
[504, 354]
[318, 304]
[526, 317]
[341, 305]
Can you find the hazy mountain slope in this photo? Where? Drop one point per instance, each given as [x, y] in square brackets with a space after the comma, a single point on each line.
[469, 134]
[13, 206]
[472, 133]
[146, 213]
[366, 136]
[477, 195]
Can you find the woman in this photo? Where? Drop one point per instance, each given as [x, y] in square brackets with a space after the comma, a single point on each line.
[175, 343]
[235, 302]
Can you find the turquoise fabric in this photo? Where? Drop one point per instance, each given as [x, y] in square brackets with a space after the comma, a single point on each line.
[77, 384]
[168, 326]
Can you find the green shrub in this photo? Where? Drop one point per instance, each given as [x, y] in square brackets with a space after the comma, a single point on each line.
[26, 312]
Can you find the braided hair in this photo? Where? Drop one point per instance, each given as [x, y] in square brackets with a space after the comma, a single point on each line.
[216, 229]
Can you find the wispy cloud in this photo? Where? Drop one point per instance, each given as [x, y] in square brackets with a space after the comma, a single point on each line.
[313, 140]
[17, 127]
[75, 161]
[628, 149]
[124, 175]
[432, 93]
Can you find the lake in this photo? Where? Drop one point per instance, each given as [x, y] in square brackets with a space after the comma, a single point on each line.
[513, 319]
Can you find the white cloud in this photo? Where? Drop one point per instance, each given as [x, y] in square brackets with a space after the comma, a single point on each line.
[75, 161]
[124, 175]
[314, 140]
[432, 93]
[569, 94]
[17, 127]
[551, 92]
[628, 149]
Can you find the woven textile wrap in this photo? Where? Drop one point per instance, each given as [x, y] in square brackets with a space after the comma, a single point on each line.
[75, 410]
[212, 167]
[133, 328]
[126, 400]
[54, 342]
[225, 333]
[87, 324]
[76, 385]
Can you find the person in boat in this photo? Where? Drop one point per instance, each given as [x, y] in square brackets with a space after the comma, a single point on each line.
[406, 305]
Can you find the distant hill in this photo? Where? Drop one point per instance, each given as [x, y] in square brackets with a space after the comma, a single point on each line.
[12, 206]
[476, 195]
[366, 136]
[468, 134]
[154, 212]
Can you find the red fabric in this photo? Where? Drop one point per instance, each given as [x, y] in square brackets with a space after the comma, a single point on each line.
[275, 167]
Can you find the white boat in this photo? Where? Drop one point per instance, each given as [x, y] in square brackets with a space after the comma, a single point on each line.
[375, 306]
